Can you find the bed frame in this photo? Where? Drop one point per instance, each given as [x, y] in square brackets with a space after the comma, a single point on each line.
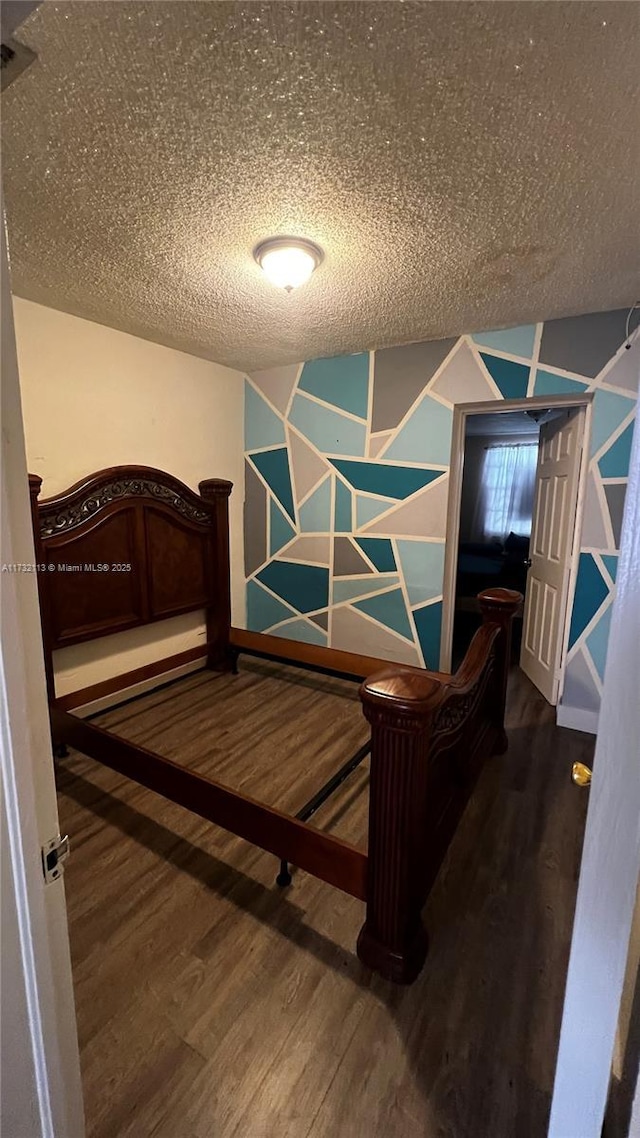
[132, 545]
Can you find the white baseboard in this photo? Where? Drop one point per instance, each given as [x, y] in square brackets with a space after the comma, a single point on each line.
[577, 718]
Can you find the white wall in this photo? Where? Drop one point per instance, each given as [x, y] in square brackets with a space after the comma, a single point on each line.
[93, 397]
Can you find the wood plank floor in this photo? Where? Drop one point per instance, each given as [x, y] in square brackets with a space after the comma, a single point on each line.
[211, 1004]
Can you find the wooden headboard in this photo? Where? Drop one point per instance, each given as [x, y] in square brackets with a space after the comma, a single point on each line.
[129, 546]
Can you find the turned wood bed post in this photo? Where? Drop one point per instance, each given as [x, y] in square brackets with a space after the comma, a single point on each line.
[401, 705]
[498, 606]
[35, 484]
[217, 491]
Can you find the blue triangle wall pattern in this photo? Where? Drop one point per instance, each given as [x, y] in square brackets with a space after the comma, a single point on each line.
[512, 378]
[383, 446]
[273, 465]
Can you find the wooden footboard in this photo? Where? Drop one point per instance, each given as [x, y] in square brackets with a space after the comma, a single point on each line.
[429, 740]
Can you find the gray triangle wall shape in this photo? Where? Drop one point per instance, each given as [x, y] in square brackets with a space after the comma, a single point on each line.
[615, 494]
[255, 521]
[400, 376]
[347, 561]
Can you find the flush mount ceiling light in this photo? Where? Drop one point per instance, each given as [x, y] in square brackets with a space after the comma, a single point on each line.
[288, 261]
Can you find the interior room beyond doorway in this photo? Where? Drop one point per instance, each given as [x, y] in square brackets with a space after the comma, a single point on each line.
[496, 509]
[514, 519]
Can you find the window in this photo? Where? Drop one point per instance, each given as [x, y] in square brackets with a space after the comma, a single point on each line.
[508, 486]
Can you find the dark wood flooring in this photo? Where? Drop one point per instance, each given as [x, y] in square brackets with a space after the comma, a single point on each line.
[211, 1004]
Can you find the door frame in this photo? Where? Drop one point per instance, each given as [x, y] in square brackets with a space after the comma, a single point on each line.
[452, 539]
[43, 1096]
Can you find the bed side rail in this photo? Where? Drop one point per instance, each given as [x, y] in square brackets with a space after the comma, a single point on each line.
[324, 856]
[430, 736]
[332, 661]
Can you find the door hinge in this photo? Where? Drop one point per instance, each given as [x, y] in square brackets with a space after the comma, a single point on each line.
[54, 854]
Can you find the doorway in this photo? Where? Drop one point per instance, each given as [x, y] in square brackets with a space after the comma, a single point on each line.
[514, 517]
[496, 508]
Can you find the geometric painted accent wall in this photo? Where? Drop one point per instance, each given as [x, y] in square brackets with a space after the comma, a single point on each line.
[347, 482]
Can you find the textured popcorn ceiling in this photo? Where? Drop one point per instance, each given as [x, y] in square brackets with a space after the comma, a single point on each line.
[463, 166]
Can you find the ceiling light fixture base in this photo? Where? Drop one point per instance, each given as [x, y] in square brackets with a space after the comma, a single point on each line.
[288, 261]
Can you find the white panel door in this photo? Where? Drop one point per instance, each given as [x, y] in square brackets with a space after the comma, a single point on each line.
[552, 532]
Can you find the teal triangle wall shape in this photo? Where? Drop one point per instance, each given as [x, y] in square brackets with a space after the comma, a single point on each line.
[280, 529]
[379, 478]
[304, 587]
[428, 622]
[343, 522]
[379, 550]
[273, 465]
[388, 609]
[342, 381]
[591, 591]
[548, 383]
[615, 461]
[510, 377]
[263, 610]
[609, 410]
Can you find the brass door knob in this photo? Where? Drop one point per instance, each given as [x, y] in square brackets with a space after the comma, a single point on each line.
[581, 774]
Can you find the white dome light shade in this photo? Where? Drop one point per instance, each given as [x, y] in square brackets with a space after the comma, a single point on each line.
[288, 261]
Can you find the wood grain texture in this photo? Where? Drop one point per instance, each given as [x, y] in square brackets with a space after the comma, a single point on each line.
[128, 546]
[211, 1003]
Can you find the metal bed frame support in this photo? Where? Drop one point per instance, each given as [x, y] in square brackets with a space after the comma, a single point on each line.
[308, 810]
[352, 669]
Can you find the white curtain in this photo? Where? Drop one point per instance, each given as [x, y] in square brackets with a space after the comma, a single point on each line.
[504, 501]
